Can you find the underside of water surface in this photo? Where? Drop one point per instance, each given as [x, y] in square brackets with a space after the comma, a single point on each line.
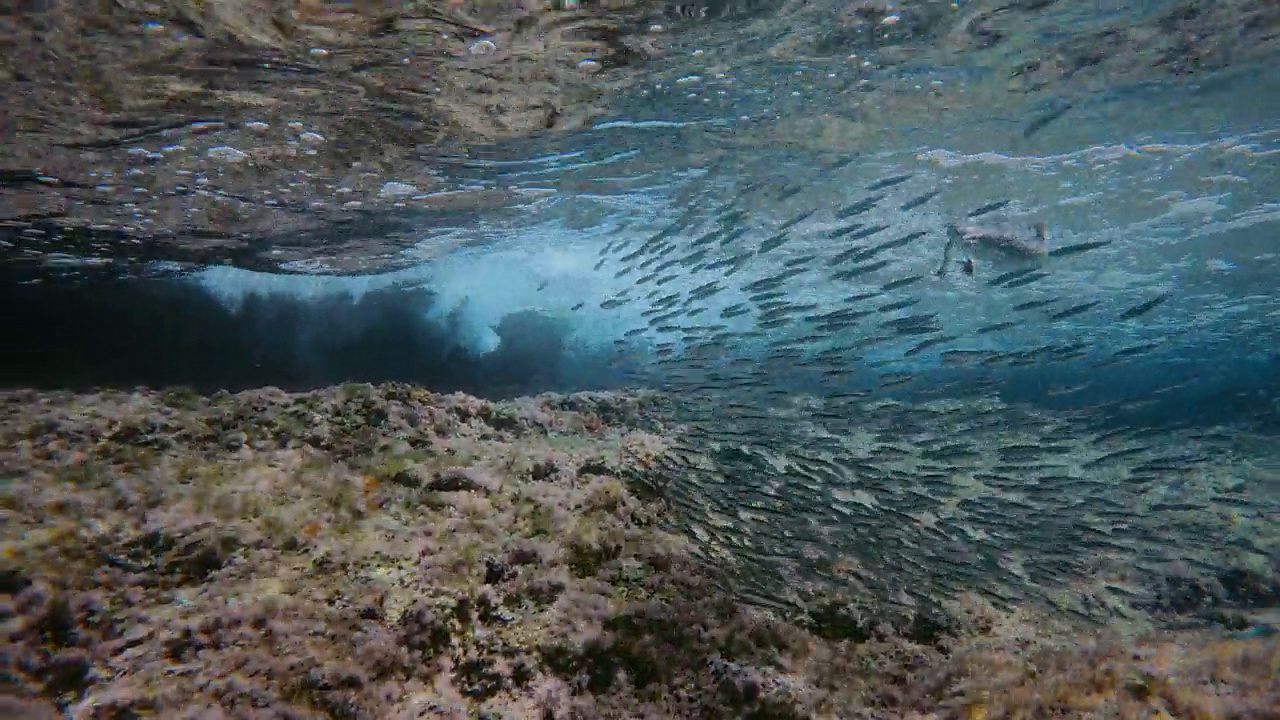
[881, 385]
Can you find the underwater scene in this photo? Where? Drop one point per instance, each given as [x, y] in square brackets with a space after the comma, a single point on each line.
[804, 360]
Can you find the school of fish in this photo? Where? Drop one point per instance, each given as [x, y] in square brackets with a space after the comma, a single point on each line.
[821, 451]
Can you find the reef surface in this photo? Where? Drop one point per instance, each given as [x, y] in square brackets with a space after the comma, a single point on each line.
[386, 552]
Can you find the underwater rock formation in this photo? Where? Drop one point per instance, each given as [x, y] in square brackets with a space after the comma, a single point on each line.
[386, 552]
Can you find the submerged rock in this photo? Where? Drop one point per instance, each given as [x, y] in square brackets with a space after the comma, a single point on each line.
[302, 575]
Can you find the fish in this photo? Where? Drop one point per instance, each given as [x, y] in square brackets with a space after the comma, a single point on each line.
[666, 300]
[919, 201]
[1026, 280]
[666, 265]
[888, 182]
[964, 357]
[842, 162]
[1126, 353]
[773, 243]
[859, 270]
[789, 192]
[987, 329]
[692, 258]
[657, 255]
[997, 358]
[1043, 121]
[675, 227]
[988, 208]
[868, 253]
[796, 220]
[1143, 308]
[836, 316]
[706, 238]
[897, 305]
[888, 245]
[1069, 351]
[1133, 350]
[858, 207]
[661, 320]
[733, 263]
[775, 322]
[1033, 304]
[800, 260]
[860, 233]
[1113, 456]
[899, 284]
[896, 380]
[920, 320]
[773, 281]
[1011, 275]
[1078, 248]
[860, 297]
[632, 256]
[1060, 390]
[797, 308]
[926, 344]
[705, 290]
[847, 255]
[842, 231]
[727, 239]
[766, 295]
[1074, 310]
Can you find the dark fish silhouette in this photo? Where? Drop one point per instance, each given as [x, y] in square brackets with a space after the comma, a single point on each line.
[891, 181]
[1143, 308]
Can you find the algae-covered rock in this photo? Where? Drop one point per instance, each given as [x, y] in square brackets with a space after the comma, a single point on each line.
[469, 567]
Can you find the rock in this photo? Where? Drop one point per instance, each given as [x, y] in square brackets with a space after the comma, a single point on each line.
[544, 470]
[461, 480]
[496, 571]
[18, 709]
